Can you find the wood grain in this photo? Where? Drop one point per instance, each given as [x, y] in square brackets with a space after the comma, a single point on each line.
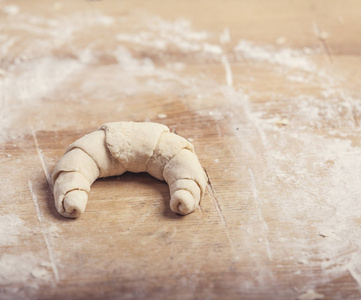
[277, 131]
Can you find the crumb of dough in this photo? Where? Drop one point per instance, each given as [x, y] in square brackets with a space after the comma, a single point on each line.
[310, 295]
[327, 233]
[39, 273]
[281, 40]
[282, 122]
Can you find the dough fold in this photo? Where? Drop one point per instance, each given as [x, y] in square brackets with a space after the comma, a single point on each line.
[133, 144]
[128, 146]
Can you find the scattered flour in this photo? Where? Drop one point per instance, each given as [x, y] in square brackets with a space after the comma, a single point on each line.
[11, 9]
[25, 268]
[285, 57]
[225, 36]
[311, 179]
[53, 230]
[162, 35]
[19, 268]
[212, 49]
[11, 227]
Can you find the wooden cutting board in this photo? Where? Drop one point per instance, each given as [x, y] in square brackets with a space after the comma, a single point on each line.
[269, 95]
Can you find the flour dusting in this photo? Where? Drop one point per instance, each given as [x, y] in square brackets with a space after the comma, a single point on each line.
[11, 227]
[292, 145]
[310, 179]
[22, 270]
[11, 9]
[284, 57]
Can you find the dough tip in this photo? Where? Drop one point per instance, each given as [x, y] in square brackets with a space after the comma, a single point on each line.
[182, 202]
[74, 203]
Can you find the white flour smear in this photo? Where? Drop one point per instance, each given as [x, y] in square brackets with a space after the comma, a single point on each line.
[17, 267]
[26, 268]
[302, 169]
[287, 57]
[163, 35]
[310, 179]
[11, 228]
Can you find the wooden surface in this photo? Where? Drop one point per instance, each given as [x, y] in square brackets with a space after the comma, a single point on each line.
[269, 94]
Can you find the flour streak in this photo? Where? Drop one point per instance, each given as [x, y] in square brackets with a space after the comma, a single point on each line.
[46, 240]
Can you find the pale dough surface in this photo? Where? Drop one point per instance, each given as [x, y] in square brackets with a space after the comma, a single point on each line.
[129, 146]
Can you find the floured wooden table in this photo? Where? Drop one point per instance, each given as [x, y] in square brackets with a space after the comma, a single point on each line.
[268, 94]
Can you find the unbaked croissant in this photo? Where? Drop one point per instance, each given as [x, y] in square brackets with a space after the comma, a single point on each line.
[128, 146]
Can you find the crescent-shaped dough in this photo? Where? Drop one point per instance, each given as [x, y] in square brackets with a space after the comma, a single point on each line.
[128, 146]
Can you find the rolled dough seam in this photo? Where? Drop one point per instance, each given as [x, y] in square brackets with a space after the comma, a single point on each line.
[56, 172]
[93, 159]
[196, 182]
[159, 138]
[201, 186]
[77, 189]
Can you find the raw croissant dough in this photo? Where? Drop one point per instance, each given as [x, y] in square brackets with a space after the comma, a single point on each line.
[128, 146]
